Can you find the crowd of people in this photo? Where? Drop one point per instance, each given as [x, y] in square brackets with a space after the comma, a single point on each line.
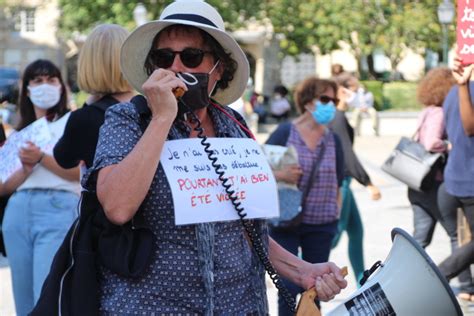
[194, 82]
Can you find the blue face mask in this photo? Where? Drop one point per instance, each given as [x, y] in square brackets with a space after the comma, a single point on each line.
[324, 112]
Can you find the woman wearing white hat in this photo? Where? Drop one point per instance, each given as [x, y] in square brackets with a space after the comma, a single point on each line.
[205, 268]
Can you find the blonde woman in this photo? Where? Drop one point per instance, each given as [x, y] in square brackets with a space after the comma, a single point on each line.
[99, 75]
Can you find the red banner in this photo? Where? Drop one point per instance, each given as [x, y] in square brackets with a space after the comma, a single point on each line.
[465, 30]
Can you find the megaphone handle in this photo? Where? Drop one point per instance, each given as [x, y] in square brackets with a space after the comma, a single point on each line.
[306, 305]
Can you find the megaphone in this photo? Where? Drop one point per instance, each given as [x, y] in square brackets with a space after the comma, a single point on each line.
[408, 283]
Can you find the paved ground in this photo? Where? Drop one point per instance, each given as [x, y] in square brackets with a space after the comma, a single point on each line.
[379, 217]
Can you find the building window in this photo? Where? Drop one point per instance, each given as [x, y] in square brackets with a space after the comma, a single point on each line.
[24, 20]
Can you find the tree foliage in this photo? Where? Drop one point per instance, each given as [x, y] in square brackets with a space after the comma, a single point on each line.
[82, 15]
[365, 25]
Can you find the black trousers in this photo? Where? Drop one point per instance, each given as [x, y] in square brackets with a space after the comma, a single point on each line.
[426, 214]
[460, 257]
[459, 260]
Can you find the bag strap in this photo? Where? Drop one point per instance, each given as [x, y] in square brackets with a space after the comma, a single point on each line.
[413, 137]
[143, 110]
[104, 103]
[312, 177]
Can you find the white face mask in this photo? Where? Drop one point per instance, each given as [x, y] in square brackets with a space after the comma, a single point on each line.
[45, 96]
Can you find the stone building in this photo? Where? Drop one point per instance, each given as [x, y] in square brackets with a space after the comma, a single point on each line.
[28, 31]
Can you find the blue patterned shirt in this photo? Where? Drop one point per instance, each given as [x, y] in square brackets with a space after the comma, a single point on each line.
[203, 269]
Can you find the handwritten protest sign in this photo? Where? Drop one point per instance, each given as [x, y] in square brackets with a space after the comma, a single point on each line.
[198, 194]
[465, 30]
[37, 132]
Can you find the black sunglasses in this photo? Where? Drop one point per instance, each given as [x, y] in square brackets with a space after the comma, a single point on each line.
[190, 57]
[325, 99]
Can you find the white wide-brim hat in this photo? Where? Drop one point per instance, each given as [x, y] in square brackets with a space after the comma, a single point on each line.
[195, 13]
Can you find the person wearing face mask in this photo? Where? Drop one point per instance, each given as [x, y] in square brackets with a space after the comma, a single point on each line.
[280, 106]
[44, 195]
[362, 102]
[315, 100]
[184, 64]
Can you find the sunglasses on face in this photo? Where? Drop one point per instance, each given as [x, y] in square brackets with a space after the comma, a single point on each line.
[190, 57]
[324, 99]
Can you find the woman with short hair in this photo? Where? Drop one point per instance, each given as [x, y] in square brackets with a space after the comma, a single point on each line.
[99, 74]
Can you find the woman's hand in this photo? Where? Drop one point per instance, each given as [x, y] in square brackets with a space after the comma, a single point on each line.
[462, 73]
[326, 277]
[289, 173]
[30, 154]
[158, 89]
[374, 192]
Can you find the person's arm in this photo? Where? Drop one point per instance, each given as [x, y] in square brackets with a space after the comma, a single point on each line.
[32, 154]
[289, 173]
[66, 151]
[72, 174]
[15, 180]
[339, 161]
[340, 126]
[433, 131]
[280, 135]
[326, 277]
[122, 187]
[466, 109]
[462, 74]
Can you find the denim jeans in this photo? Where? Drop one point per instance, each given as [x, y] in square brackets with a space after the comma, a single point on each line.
[315, 242]
[34, 226]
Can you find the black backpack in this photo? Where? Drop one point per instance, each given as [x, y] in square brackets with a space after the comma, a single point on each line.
[3, 205]
[3, 199]
[72, 287]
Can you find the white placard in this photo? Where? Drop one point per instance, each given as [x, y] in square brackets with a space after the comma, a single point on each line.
[37, 132]
[198, 194]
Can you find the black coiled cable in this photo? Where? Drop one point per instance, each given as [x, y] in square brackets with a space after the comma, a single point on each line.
[248, 225]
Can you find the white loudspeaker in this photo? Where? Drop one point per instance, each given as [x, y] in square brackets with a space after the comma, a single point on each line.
[408, 283]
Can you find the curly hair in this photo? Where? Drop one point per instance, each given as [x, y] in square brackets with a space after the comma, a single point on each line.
[434, 86]
[230, 65]
[310, 89]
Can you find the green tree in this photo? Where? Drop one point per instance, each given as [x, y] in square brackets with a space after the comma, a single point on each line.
[390, 25]
[82, 15]
[364, 24]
